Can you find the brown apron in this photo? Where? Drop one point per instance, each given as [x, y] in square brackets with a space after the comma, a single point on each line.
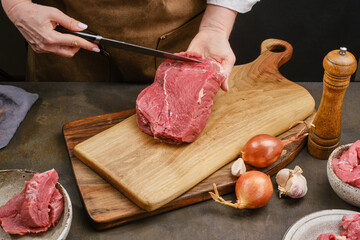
[167, 25]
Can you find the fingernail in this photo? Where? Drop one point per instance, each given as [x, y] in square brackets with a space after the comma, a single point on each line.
[96, 49]
[82, 25]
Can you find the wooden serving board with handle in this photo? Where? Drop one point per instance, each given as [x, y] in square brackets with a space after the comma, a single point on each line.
[151, 173]
[107, 207]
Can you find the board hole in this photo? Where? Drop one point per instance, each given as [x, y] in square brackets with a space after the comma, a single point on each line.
[277, 48]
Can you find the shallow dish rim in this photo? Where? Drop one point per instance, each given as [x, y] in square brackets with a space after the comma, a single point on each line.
[68, 221]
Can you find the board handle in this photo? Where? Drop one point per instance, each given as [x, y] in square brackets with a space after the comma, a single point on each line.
[278, 50]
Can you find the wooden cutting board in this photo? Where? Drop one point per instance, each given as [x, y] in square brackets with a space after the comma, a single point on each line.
[152, 174]
[107, 207]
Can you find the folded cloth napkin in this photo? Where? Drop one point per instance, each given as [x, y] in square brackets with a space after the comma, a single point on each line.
[15, 103]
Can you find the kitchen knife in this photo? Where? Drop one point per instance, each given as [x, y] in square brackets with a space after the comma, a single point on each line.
[126, 46]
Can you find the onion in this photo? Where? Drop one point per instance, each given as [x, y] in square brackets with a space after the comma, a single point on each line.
[263, 150]
[253, 189]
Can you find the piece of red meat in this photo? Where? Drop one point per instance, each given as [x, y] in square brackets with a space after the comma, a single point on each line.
[326, 236]
[20, 210]
[12, 206]
[175, 108]
[10, 217]
[347, 167]
[56, 207]
[14, 225]
[347, 219]
[351, 224]
[38, 192]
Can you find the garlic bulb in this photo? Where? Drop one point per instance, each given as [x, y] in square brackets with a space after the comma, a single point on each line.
[238, 167]
[291, 183]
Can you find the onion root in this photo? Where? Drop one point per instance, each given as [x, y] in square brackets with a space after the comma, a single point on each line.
[217, 198]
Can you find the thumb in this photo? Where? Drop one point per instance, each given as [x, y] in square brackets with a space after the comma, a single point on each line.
[224, 85]
[67, 22]
[228, 66]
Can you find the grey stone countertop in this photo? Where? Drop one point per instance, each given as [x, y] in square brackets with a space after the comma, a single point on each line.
[39, 145]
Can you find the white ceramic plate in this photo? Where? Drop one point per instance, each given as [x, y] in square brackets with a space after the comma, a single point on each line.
[314, 224]
[13, 182]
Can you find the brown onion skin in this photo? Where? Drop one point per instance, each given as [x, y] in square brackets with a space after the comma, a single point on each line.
[253, 189]
[262, 150]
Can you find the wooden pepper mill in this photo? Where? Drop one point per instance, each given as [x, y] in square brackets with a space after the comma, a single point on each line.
[325, 135]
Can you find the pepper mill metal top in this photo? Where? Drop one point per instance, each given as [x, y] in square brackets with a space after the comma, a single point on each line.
[325, 135]
[342, 50]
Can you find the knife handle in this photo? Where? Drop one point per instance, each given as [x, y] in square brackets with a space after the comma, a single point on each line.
[90, 37]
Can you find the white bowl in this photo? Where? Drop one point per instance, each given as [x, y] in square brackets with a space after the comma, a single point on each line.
[346, 192]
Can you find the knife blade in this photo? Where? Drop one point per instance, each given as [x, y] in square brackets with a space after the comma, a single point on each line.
[97, 39]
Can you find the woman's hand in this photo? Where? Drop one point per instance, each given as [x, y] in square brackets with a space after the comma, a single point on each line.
[37, 23]
[214, 45]
[212, 38]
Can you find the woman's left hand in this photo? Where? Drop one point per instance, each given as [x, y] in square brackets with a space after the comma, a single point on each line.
[215, 45]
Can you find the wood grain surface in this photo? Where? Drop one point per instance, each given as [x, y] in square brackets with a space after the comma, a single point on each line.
[325, 134]
[151, 173]
[107, 207]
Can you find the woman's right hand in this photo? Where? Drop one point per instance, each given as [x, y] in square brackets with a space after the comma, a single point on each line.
[37, 23]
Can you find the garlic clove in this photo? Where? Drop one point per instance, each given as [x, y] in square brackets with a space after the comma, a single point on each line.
[304, 186]
[282, 191]
[282, 177]
[296, 187]
[238, 167]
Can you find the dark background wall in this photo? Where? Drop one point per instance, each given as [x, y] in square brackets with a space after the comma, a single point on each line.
[313, 27]
[12, 49]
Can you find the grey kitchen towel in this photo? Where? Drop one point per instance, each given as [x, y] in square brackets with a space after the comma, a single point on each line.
[15, 103]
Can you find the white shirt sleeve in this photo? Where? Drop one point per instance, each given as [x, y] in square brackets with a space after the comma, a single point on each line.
[241, 6]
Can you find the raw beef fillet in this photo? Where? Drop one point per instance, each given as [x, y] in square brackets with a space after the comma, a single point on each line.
[351, 224]
[175, 108]
[56, 206]
[326, 236]
[347, 167]
[36, 208]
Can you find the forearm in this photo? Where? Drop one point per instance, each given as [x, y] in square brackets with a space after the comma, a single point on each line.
[218, 19]
[241, 6]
